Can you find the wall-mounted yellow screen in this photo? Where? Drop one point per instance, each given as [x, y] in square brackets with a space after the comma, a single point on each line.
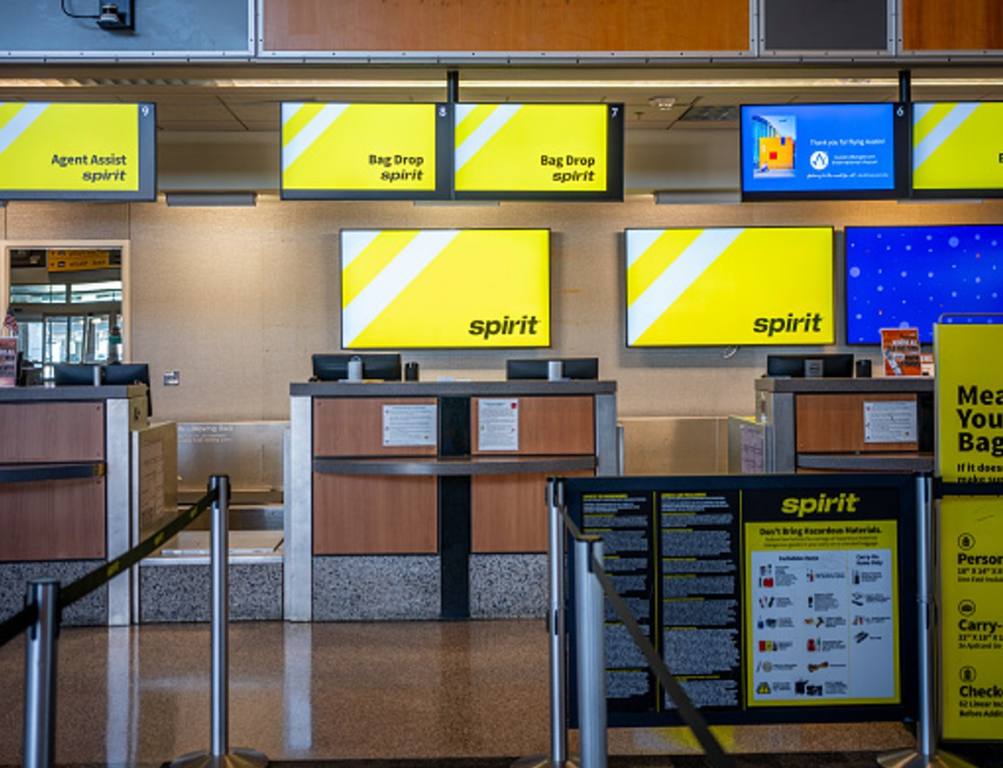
[956, 146]
[73, 151]
[445, 288]
[735, 286]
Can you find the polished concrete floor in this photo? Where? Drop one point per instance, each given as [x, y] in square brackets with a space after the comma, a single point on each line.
[420, 690]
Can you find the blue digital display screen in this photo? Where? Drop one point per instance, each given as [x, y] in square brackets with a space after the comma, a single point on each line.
[818, 148]
[910, 276]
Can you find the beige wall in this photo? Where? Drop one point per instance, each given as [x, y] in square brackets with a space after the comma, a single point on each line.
[238, 298]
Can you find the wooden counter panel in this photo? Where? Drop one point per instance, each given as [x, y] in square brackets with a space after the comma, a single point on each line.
[506, 25]
[548, 426]
[508, 513]
[354, 426]
[51, 432]
[962, 25]
[835, 423]
[53, 520]
[366, 515]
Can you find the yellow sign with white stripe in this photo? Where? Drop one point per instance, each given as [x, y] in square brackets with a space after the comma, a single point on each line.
[691, 287]
[556, 148]
[445, 288]
[957, 145]
[358, 147]
[62, 147]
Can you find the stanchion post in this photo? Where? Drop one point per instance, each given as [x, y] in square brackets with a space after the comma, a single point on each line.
[40, 675]
[220, 753]
[589, 632]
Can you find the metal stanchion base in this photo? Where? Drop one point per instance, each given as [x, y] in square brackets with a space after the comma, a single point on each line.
[235, 758]
[910, 758]
[543, 761]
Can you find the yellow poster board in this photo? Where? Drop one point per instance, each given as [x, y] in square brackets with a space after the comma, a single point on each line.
[445, 288]
[971, 532]
[75, 150]
[74, 260]
[376, 148]
[763, 285]
[956, 146]
[969, 402]
[533, 148]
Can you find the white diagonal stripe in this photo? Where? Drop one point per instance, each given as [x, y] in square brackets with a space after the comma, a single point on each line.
[639, 241]
[483, 132]
[676, 279]
[919, 110]
[310, 133]
[19, 124]
[392, 280]
[354, 243]
[951, 122]
[290, 109]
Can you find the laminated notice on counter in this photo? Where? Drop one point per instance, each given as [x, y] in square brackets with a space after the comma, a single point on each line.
[409, 425]
[497, 424]
[890, 421]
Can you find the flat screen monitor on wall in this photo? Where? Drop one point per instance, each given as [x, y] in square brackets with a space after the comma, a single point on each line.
[445, 288]
[832, 151]
[77, 151]
[733, 286]
[956, 149]
[910, 276]
[538, 151]
[365, 151]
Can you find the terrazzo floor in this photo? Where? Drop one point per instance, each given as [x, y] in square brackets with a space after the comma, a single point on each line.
[401, 693]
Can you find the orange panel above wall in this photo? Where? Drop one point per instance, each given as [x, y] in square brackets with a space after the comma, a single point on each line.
[963, 25]
[526, 26]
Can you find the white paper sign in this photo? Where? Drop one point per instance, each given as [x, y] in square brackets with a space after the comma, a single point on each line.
[890, 421]
[497, 425]
[409, 425]
[753, 453]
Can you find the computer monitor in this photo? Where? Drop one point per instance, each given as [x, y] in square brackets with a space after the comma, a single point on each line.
[573, 368]
[73, 375]
[828, 366]
[334, 366]
[114, 374]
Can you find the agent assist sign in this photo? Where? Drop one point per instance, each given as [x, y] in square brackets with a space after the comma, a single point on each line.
[61, 151]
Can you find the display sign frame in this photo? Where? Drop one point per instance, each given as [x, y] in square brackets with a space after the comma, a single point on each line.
[614, 192]
[146, 139]
[699, 345]
[956, 193]
[549, 277]
[901, 135]
[443, 167]
[905, 519]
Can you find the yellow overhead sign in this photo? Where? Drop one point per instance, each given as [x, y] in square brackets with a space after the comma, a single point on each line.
[359, 147]
[957, 145]
[76, 260]
[554, 148]
[729, 286]
[71, 148]
[445, 288]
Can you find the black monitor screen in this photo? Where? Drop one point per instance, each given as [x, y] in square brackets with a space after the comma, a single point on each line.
[572, 368]
[334, 367]
[834, 366]
[114, 374]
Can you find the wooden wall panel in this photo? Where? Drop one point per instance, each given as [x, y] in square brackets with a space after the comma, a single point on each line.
[508, 513]
[952, 25]
[363, 515]
[551, 426]
[835, 423]
[353, 426]
[507, 25]
[53, 520]
[51, 432]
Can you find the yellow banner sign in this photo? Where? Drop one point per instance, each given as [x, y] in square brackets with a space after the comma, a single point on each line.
[531, 148]
[972, 625]
[729, 286]
[56, 147]
[76, 261]
[957, 145]
[359, 147]
[445, 288]
[969, 402]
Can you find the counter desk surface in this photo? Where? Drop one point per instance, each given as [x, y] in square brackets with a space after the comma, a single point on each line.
[38, 394]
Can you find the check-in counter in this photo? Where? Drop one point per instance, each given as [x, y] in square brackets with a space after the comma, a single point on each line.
[426, 500]
[66, 478]
[843, 425]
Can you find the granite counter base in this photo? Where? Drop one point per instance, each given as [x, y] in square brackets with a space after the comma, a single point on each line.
[363, 588]
[90, 611]
[508, 586]
[176, 592]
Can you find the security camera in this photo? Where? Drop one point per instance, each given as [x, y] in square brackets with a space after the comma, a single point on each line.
[112, 18]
